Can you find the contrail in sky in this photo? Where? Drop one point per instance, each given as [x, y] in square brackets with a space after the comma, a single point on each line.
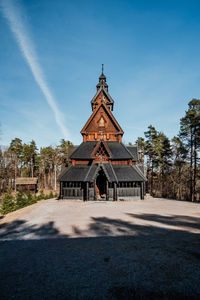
[12, 13]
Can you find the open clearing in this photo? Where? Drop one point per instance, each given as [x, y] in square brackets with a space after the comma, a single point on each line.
[147, 249]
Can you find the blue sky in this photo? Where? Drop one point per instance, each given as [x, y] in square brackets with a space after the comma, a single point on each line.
[150, 50]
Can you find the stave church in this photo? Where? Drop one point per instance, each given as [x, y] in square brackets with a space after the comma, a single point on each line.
[102, 167]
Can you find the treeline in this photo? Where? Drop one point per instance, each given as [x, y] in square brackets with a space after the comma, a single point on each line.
[173, 166]
[26, 160]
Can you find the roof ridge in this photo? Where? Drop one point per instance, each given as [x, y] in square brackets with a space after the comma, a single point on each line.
[106, 92]
[88, 172]
[128, 150]
[113, 172]
[101, 165]
[139, 171]
[64, 172]
[76, 150]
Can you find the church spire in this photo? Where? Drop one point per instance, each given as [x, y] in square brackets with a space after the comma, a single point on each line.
[102, 80]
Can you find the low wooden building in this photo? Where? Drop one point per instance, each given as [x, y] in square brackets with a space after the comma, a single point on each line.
[26, 184]
[102, 167]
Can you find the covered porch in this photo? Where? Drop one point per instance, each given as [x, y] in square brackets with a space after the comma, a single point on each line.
[102, 182]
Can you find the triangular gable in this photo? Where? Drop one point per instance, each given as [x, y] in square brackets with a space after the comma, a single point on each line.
[101, 145]
[101, 166]
[110, 116]
[110, 100]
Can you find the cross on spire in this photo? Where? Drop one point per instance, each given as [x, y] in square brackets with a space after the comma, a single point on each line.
[102, 68]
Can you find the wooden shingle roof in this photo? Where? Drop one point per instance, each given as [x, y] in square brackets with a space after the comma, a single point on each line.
[26, 180]
[114, 173]
[117, 150]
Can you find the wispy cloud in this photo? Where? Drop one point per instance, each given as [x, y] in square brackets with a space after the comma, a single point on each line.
[13, 13]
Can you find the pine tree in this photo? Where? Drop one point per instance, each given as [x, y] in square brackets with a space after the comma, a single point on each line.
[151, 151]
[15, 149]
[164, 158]
[179, 160]
[190, 135]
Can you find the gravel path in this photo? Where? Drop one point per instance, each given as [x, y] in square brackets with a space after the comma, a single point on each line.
[101, 250]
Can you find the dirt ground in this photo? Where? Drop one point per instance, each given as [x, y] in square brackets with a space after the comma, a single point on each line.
[61, 249]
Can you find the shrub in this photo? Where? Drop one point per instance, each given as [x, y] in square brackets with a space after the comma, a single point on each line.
[51, 195]
[8, 203]
[20, 200]
[26, 199]
[55, 195]
[30, 198]
[47, 196]
[11, 203]
[41, 195]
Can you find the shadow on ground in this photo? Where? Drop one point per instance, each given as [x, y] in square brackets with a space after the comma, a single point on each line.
[124, 260]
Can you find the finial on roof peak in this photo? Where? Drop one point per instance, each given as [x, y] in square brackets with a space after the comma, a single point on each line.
[102, 76]
[102, 80]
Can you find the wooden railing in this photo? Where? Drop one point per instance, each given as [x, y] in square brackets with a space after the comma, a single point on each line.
[128, 192]
[70, 193]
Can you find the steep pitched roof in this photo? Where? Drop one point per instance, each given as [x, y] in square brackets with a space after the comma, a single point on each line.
[142, 169]
[134, 151]
[106, 93]
[99, 167]
[116, 150]
[110, 115]
[111, 172]
[74, 173]
[119, 151]
[84, 151]
[91, 172]
[115, 173]
[128, 173]
[26, 180]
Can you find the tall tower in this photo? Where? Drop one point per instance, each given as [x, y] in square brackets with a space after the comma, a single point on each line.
[102, 123]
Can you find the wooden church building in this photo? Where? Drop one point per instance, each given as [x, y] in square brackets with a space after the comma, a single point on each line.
[102, 167]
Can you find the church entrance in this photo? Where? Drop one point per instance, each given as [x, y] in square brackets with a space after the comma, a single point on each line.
[101, 185]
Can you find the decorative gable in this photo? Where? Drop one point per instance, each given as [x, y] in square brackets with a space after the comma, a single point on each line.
[101, 152]
[102, 95]
[102, 125]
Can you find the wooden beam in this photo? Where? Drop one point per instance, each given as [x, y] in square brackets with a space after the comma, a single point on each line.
[115, 192]
[107, 190]
[95, 190]
[61, 190]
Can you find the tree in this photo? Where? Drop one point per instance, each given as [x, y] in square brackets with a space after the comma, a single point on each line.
[141, 149]
[179, 153]
[29, 155]
[15, 149]
[157, 149]
[65, 150]
[151, 151]
[164, 153]
[190, 135]
[47, 165]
